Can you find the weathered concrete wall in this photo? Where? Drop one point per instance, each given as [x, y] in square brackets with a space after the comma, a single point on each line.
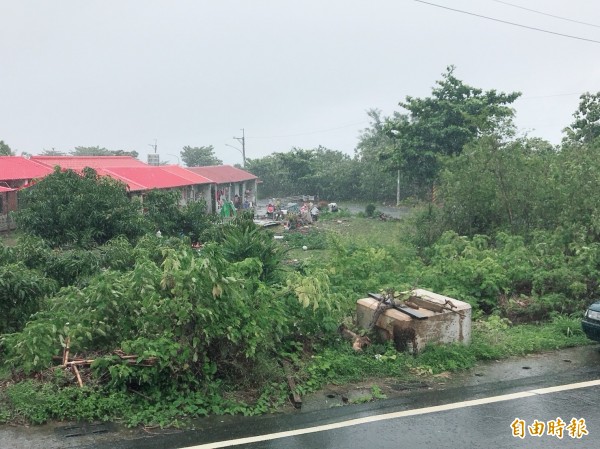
[439, 327]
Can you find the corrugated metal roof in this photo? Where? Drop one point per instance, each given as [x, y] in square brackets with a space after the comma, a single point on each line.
[147, 178]
[80, 162]
[222, 174]
[186, 174]
[14, 168]
[131, 185]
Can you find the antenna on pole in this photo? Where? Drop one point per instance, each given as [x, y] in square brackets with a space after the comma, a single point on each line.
[153, 158]
[242, 140]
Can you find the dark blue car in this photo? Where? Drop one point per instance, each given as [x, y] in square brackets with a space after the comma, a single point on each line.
[591, 322]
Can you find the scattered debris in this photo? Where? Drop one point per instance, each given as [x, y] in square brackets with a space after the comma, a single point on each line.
[358, 341]
[296, 398]
[74, 363]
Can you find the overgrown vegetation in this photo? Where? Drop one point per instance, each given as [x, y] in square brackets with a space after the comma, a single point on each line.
[508, 224]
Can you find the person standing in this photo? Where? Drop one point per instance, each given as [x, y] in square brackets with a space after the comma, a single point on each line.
[314, 212]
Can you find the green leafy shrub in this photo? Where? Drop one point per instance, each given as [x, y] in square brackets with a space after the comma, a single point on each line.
[69, 267]
[198, 316]
[21, 293]
[370, 210]
[313, 239]
[161, 209]
[66, 208]
[340, 214]
[242, 239]
[197, 223]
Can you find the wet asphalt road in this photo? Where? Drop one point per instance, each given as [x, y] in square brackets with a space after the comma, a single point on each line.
[484, 425]
[480, 426]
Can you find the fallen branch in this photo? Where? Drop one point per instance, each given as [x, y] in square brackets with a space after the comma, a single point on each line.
[79, 362]
[76, 371]
[358, 342]
[129, 359]
[66, 351]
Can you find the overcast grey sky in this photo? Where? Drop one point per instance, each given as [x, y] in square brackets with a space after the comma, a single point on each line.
[121, 73]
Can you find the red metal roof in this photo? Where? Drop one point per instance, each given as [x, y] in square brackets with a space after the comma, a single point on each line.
[14, 168]
[80, 162]
[131, 185]
[223, 174]
[5, 189]
[147, 177]
[137, 175]
[186, 174]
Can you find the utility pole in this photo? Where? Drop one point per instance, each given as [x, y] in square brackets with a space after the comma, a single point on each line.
[398, 190]
[242, 140]
[155, 146]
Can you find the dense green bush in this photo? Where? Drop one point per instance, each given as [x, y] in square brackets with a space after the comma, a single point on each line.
[202, 315]
[541, 276]
[370, 209]
[68, 208]
[21, 293]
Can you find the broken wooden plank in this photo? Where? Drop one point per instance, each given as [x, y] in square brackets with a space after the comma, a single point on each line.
[76, 371]
[400, 305]
[434, 307]
[66, 351]
[296, 398]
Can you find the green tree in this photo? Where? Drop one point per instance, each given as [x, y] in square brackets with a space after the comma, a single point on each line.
[586, 126]
[199, 156]
[162, 210]
[5, 149]
[333, 175]
[374, 153]
[274, 177]
[101, 151]
[442, 124]
[577, 179]
[53, 152]
[497, 184]
[320, 171]
[66, 208]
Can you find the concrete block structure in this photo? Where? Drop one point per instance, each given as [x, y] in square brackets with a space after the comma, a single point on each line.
[444, 320]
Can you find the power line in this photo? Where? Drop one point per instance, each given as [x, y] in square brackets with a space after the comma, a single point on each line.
[546, 14]
[311, 132]
[509, 23]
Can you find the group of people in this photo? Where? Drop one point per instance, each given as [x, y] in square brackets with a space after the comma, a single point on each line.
[308, 212]
[238, 202]
[312, 209]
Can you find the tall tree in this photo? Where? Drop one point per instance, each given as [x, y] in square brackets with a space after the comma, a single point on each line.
[375, 155]
[442, 124]
[586, 126]
[500, 184]
[5, 149]
[199, 156]
[327, 173]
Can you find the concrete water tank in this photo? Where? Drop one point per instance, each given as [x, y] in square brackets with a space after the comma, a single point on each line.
[435, 319]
